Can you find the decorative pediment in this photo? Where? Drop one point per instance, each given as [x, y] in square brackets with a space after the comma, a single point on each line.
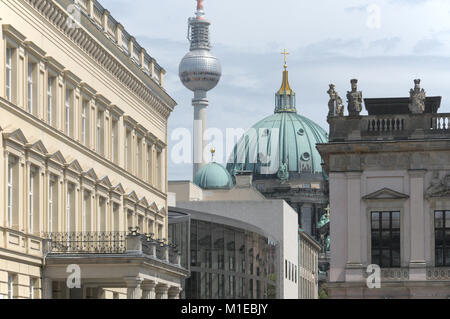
[154, 207]
[39, 147]
[90, 174]
[133, 197]
[75, 166]
[105, 182]
[143, 202]
[16, 136]
[162, 211]
[385, 193]
[118, 189]
[58, 158]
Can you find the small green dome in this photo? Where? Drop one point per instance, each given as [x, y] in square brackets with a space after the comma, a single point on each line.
[213, 176]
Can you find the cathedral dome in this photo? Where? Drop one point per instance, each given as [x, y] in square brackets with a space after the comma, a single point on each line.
[213, 176]
[282, 143]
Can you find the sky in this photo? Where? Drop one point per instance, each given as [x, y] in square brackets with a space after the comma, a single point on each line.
[385, 44]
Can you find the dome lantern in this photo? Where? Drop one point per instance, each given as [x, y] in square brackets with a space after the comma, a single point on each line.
[285, 97]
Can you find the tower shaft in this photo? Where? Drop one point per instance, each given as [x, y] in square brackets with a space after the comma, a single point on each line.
[200, 104]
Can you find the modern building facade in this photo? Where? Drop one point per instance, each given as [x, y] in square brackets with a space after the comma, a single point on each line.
[308, 255]
[229, 259]
[389, 197]
[266, 230]
[83, 167]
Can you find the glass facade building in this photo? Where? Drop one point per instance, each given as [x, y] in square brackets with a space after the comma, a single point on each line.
[227, 262]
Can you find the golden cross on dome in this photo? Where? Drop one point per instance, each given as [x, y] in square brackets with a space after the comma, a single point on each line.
[285, 53]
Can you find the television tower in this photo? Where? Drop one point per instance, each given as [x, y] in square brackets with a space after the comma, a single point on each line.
[200, 72]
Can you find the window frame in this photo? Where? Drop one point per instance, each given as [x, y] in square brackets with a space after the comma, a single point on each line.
[446, 245]
[380, 231]
[8, 72]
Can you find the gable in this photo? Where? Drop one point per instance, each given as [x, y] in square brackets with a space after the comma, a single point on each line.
[385, 193]
[75, 166]
[16, 136]
[58, 157]
[39, 147]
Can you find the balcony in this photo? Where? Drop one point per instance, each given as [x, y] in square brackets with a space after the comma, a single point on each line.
[111, 243]
[148, 268]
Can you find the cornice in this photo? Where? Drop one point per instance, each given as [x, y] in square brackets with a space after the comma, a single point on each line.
[92, 46]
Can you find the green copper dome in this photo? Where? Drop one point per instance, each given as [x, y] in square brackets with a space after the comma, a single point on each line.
[213, 176]
[282, 144]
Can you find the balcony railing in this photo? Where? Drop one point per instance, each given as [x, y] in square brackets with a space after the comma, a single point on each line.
[88, 243]
[131, 242]
[440, 274]
[403, 126]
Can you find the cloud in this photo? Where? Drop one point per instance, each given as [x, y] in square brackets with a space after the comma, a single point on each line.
[428, 46]
[329, 42]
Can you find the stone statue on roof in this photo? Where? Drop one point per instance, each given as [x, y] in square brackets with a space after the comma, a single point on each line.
[417, 98]
[335, 106]
[354, 98]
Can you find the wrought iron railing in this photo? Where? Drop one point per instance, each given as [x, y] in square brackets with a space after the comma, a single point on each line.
[88, 242]
[112, 243]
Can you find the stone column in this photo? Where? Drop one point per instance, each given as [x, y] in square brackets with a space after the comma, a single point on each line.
[47, 289]
[417, 262]
[148, 289]
[133, 287]
[354, 266]
[162, 291]
[174, 293]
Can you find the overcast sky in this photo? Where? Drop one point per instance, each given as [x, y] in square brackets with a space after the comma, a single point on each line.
[383, 43]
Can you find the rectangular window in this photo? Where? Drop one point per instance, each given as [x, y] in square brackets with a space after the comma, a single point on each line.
[149, 164]
[100, 132]
[68, 113]
[127, 150]
[114, 143]
[68, 202]
[159, 168]
[51, 186]
[32, 288]
[31, 201]
[30, 87]
[129, 219]
[50, 100]
[101, 221]
[11, 280]
[139, 157]
[84, 122]
[70, 208]
[10, 194]
[442, 238]
[116, 223]
[8, 73]
[386, 239]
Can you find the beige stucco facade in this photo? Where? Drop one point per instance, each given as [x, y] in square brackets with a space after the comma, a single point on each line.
[83, 124]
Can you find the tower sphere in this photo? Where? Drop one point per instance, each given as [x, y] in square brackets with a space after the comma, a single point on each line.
[200, 70]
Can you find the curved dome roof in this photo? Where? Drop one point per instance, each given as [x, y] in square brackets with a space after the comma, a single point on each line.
[213, 176]
[282, 143]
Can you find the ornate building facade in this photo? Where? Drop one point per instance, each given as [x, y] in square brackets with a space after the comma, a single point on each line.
[389, 197]
[83, 167]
